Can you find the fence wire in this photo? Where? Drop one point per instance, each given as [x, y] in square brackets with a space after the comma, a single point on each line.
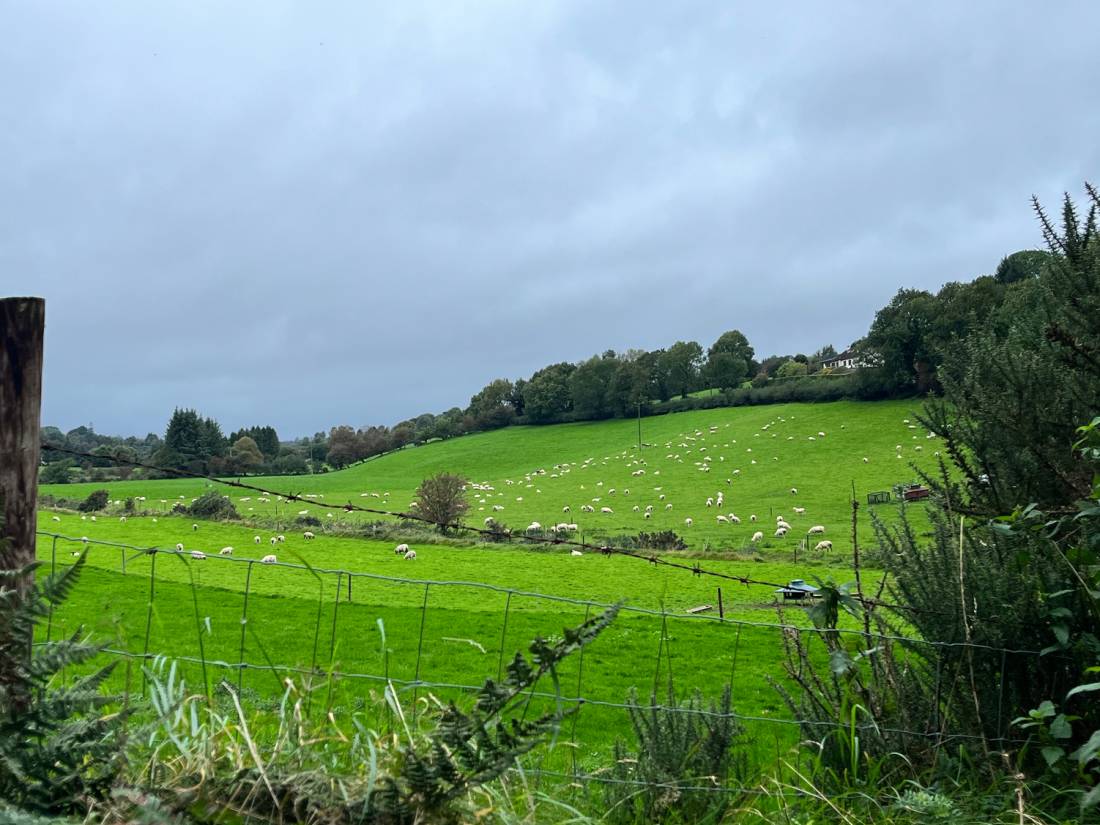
[695, 569]
[416, 684]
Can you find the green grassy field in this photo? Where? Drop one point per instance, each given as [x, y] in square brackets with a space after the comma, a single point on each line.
[452, 613]
[753, 456]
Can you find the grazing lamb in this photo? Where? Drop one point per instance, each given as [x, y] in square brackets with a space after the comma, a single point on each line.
[782, 525]
[410, 555]
[722, 519]
[607, 510]
[401, 549]
[688, 522]
[668, 506]
[226, 551]
[757, 536]
[752, 518]
[534, 527]
[179, 546]
[734, 519]
[273, 540]
[57, 518]
[780, 532]
[710, 502]
[799, 510]
[269, 559]
[308, 535]
[194, 527]
[647, 514]
[198, 554]
[256, 539]
[823, 545]
[816, 530]
[565, 509]
[794, 491]
[575, 553]
[280, 537]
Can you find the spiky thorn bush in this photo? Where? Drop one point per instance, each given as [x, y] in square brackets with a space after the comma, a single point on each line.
[58, 750]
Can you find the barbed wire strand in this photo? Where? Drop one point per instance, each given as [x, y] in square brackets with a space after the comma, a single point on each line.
[605, 549]
[510, 591]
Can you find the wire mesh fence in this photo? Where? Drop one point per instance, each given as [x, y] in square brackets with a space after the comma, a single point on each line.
[348, 633]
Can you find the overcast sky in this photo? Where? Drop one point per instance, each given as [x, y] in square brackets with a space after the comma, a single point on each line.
[317, 213]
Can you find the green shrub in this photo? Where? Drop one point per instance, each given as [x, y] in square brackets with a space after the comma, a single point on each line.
[213, 505]
[96, 500]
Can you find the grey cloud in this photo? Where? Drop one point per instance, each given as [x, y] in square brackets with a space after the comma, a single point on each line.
[308, 214]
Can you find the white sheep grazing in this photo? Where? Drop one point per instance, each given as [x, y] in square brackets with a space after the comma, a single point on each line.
[816, 530]
[782, 525]
[123, 518]
[575, 553]
[272, 541]
[688, 522]
[489, 520]
[607, 510]
[198, 554]
[757, 536]
[823, 545]
[661, 497]
[179, 546]
[799, 510]
[710, 502]
[865, 459]
[794, 491]
[734, 519]
[635, 508]
[752, 518]
[226, 551]
[410, 555]
[57, 518]
[565, 509]
[308, 535]
[779, 533]
[269, 559]
[194, 527]
[722, 519]
[280, 537]
[534, 527]
[256, 539]
[647, 514]
[401, 549]
[668, 506]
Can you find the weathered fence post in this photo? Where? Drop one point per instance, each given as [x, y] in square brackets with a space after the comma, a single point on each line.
[22, 323]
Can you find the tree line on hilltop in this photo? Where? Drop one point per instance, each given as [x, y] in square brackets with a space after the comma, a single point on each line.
[901, 355]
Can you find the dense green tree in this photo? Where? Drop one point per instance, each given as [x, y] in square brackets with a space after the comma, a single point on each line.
[245, 454]
[792, 369]
[344, 447]
[266, 438]
[902, 342]
[1023, 265]
[547, 394]
[589, 384]
[184, 436]
[492, 407]
[629, 388]
[681, 363]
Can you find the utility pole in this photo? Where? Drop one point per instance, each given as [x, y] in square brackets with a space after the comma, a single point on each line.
[22, 326]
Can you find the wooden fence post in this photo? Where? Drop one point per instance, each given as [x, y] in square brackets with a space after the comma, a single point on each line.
[22, 321]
